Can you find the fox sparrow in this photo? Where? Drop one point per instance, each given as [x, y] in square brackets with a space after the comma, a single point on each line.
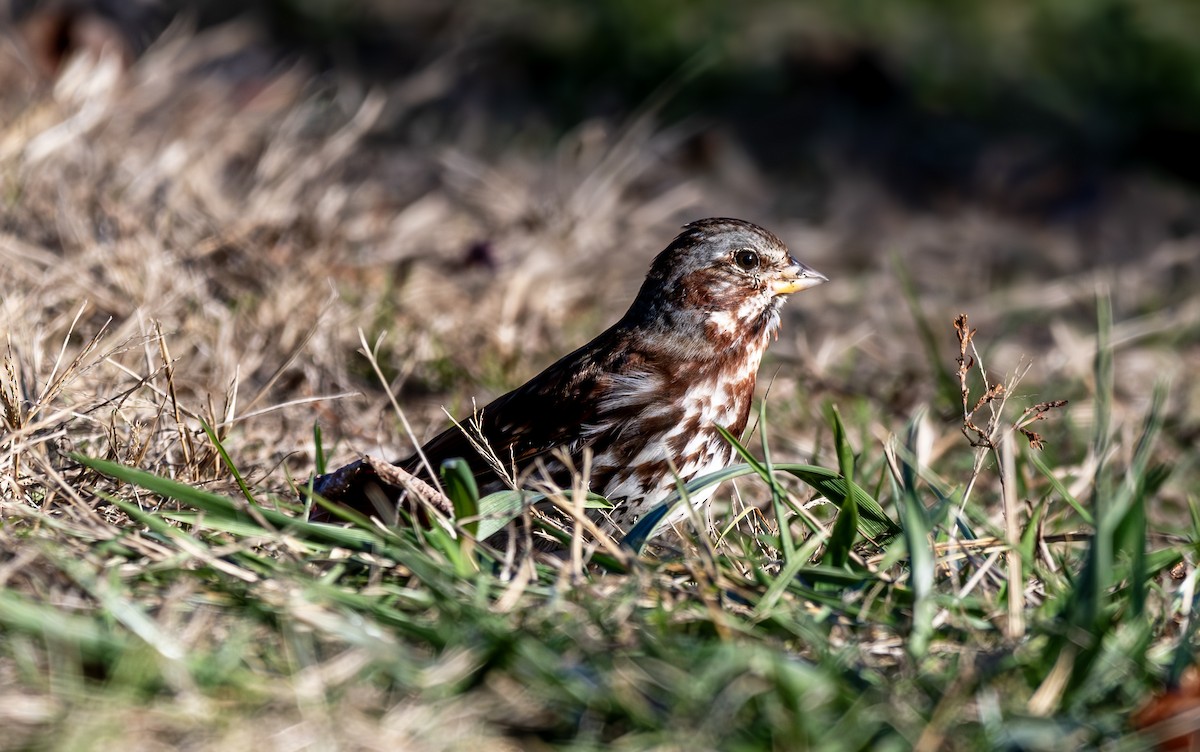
[645, 396]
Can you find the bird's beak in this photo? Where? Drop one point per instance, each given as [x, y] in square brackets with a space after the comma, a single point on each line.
[797, 277]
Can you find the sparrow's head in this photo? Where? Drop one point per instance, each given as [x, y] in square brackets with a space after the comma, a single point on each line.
[723, 280]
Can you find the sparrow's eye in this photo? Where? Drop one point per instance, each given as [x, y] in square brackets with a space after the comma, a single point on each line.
[746, 259]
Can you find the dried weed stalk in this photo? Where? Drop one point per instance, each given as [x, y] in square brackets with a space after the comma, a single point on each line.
[996, 438]
[986, 437]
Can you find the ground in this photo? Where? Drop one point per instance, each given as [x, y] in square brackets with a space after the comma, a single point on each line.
[201, 247]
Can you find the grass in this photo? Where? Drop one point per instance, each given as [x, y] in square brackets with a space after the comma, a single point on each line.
[232, 605]
[187, 259]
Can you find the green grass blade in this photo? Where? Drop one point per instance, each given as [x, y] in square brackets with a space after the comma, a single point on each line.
[784, 579]
[224, 506]
[841, 539]
[916, 530]
[874, 523]
[1102, 369]
[1130, 527]
[21, 614]
[502, 507]
[459, 485]
[228, 462]
[778, 495]
[499, 509]
[1098, 566]
[319, 461]
[1059, 487]
[841, 444]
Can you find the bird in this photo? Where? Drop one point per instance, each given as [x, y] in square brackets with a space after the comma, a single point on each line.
[644, 397]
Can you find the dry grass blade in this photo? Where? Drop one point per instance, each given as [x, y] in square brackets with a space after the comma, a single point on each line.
[244, 230]
[185, 437]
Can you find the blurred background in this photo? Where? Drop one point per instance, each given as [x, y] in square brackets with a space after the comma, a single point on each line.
[1031, 106]
[210, 212]
[480, 186]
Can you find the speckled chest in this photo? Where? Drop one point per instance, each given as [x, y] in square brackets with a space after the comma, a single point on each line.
[672, 433]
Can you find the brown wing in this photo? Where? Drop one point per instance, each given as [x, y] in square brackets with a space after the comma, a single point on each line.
[551, 410]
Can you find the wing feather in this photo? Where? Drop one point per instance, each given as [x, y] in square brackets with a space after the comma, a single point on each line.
[553, 409]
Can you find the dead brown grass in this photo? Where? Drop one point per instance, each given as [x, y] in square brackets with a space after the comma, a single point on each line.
[186, 241]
